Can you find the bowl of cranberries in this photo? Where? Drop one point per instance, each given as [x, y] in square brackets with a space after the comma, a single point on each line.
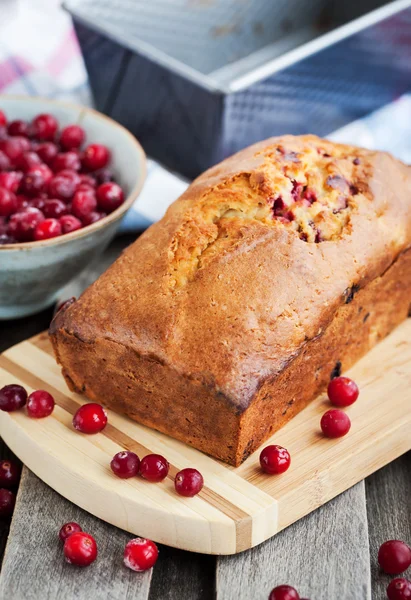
[68, 174]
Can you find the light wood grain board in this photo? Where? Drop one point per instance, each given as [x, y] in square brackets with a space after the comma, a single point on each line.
[238, 508]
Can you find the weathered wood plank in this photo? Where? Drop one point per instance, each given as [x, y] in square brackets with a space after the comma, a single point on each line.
[34, 565]
[388, 494]
[325, 556]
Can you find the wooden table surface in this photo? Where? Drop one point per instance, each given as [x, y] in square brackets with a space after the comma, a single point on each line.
[328, 555]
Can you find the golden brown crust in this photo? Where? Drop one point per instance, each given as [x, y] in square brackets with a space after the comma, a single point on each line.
[230, 286]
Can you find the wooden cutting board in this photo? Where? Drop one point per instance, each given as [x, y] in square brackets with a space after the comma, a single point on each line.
[238, 508]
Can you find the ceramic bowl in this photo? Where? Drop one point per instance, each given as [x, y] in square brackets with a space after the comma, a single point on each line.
[32, 273]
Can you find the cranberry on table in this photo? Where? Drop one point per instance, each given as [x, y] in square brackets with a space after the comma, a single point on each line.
[7, 502]
[72, 136]
[47, 151]
[394, 557]
[90, 418]
[109, 196]
[83, 204]
[335, 423]
[18, 127]
[61, 187]
[95, 156]
[66, 160]
[54, 209]
[44, 127]
[80, 549]
[23, 224]
[399, 589]
[11, 180]
[275, 460]
[154, 467]
[12, 397]
[9, 473]
[125, 464]
[140, 554]
[342, 391]
[68, 529]
[40, 404]
[188, 482]
[70, 223]
[8, 202]
[284, 592]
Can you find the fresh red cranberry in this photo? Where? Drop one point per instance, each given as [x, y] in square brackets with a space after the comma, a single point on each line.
[87, 180]
[27, 160]
[335, 423]
[125, 464]
[7, 502]
[11, 180]
[188, 482]
[17, 128]
[5, 163]
[399, 589]
[284, 592]
[54, 209]
[40, 404]
[44, 127]
[72, 175]
[61, 187]
[96, 156]
[8, 202]
[72, 136]
[70, 223]
[154, 467]
[83, 204]
[275, 460]
[48, 229]
[68, 529]
[36, 180]
[140, 554]
[66, 160]
[3, 133]
[9, 473]
[36, 203]
[14, 147]
[109, 196]
[3, 119]
[22, 224]
[47, 152]
[93, 217]
[12, 397]
[90, 418]
[342, 391]
[394, 557]
[103, 176]
[80, 549]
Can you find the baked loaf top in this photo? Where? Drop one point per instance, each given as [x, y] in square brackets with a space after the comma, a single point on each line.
[252, 262]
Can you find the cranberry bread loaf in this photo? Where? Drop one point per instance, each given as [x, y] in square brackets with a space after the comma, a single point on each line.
[274, 271]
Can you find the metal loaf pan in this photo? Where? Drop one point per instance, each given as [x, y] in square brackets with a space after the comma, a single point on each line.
[196, 80]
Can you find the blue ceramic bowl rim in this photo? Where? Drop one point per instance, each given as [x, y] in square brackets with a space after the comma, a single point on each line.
[112, 217]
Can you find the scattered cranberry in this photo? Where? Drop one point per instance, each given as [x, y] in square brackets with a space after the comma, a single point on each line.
[61, 187]
[335, 423]
[125, 464]
[12, 397]
[80, 549]
[154, 467]
[342, 391]
[44, 127]
[275, 460]
[66, 160]
[284, 592]
[70, 223]
[188, 482]
[40, 404]
[5, 163]
[47, 152]
[109, 196]
[93, 217]
[7, 502]
[140, 554]
[394, 557]
[18, 127]
[23, 224]
[90, 418]
[72, 137]
[83, 204]
[54, 209]
[9, 473]
[399, 589]
[96, 156]
[8, 202]
[68, 529]
[3, 119]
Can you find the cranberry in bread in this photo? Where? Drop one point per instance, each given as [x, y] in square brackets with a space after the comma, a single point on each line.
[275, 270]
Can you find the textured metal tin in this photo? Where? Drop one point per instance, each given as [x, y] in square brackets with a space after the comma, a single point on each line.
[197, 80]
